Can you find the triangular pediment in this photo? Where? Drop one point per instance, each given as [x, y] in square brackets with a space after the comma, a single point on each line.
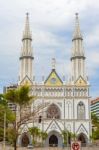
[23, 128]
[53, 79]
[53, 125]
[80, 82]
[26, 80]
[81, 129]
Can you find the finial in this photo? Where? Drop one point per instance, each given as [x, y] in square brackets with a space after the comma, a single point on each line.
[27, 14]
[53, 63]
[77, 20]
[76, 15]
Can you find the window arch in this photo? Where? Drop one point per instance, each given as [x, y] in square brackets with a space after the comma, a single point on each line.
[80, 110]
[53, 112]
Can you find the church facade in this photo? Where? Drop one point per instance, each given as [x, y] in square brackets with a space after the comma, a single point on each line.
[63, 106]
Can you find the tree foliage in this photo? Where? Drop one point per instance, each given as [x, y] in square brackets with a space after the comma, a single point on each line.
[95, 127]
[20, 97]
[10, 116]
[11, 135]
[37, 133]
[43, 135]
[95, 120]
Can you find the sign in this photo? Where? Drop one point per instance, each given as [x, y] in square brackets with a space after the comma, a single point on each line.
[75, 145]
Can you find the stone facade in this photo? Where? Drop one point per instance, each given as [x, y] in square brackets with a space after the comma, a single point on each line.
[64, 106]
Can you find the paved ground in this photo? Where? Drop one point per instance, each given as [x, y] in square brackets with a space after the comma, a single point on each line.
[51, 148]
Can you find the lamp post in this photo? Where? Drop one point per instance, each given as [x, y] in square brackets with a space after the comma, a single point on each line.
[4, 136]
[42, 109]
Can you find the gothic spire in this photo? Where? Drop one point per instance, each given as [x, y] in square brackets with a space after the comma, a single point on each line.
[27, 32]
[77, 57]
[26, 57]
[77, 33]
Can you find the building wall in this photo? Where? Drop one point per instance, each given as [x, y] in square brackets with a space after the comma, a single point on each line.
[67, 103]
[95, 106]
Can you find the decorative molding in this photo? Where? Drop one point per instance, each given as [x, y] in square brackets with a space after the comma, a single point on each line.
[81, 129]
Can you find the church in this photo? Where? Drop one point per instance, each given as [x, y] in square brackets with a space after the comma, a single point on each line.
[64, 106]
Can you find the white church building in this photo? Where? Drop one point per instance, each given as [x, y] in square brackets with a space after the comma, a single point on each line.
[64, 105]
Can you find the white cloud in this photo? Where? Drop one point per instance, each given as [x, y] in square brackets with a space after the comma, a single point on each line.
[52, 24]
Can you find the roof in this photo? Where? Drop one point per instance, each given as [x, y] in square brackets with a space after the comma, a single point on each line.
[95, 100]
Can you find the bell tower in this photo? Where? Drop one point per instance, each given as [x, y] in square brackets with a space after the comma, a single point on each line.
[78, 57]
[26, 57]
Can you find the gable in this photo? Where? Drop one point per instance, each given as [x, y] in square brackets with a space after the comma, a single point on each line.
[53, 79]
[80, 82]
[26, 80]
[81, 129]
[23, 128]
[53, 126]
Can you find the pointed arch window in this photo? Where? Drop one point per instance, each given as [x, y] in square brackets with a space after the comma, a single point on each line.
[80, 110]
[53, 111]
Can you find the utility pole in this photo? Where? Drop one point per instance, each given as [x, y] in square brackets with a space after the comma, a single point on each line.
[4, 136]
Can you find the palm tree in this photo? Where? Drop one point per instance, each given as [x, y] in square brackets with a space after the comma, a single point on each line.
[35, 132]
[21, 97]
[73, 136]
[68, 136]
[65, 136]
[43, 136]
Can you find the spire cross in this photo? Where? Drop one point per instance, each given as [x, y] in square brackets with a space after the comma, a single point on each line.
[53, 63]
[27, 14]
[76, 15]
[77, 19]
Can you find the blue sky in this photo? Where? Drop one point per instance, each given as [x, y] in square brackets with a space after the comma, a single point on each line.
[52, 25]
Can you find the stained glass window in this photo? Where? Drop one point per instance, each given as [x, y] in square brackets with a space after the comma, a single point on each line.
[53, 111]
[81, 110]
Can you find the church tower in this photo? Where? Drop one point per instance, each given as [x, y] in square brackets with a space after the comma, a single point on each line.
[78, 58]
[26, 58]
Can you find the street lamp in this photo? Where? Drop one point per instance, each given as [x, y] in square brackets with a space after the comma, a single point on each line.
[3, 101]
[4, 136]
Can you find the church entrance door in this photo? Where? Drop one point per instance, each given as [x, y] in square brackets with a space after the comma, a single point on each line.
[82, 138]
[25, 140]
[53, 141]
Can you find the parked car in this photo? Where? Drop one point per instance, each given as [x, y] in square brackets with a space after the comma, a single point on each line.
[30, 146]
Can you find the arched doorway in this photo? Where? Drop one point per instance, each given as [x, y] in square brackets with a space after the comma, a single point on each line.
[25, 140]
[82, 137]
[53, 140]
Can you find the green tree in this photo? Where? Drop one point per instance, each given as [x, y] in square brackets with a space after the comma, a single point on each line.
[10, 117]
[11, 135]
[21, 97]
[65, 136]
[95, 127]
[35, 132]
[95, 120]
[68, 136]
[43, 136]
